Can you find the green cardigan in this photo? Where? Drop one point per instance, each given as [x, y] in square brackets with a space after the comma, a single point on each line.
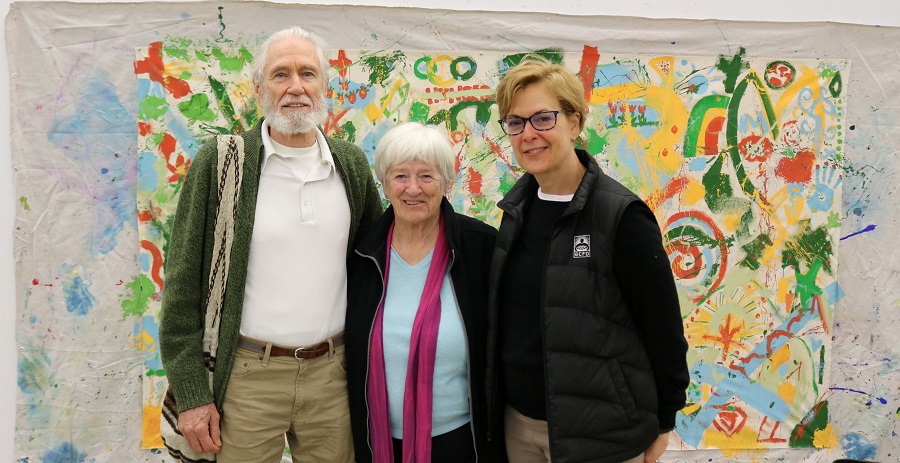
[190, 252]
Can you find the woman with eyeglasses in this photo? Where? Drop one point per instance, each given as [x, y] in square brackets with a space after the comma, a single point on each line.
[586, 349]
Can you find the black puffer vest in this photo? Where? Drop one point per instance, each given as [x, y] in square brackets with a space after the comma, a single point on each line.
[601, 396]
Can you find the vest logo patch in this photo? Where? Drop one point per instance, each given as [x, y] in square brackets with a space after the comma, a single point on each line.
[582, 246]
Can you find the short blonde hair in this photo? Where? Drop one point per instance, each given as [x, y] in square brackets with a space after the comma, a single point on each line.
[559, 81]
[413, 141]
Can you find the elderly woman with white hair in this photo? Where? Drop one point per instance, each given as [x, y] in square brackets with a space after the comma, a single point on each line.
[416, 313]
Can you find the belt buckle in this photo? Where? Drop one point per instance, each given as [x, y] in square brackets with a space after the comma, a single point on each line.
[297, 352]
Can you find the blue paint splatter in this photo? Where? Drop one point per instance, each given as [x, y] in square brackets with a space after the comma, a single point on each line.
[64, 453]
[79, 299]
[100, 131]
[149, 325]
[834, 292]
[856, 446]
[34, 372]
[880, 399]
[864, 230]
[148, 179]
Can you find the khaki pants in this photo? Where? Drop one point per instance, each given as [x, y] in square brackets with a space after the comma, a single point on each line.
[270, 398]
[528, 439]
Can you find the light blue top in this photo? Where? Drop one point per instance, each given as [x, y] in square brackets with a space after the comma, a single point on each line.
[451, 373]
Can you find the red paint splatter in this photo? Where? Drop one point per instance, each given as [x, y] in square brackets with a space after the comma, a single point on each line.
[342, 63]
[711, 137]
[153, 66]
[157, 263]
[755, 148]
[590, 56]
[144, 128]
[797, 170]
[474, 182]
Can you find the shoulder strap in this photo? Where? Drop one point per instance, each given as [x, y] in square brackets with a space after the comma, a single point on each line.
[230, 175]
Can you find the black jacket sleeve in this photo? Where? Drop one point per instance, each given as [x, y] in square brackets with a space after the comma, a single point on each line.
[645, 279]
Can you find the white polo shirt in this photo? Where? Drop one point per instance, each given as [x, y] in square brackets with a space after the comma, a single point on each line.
[296, 290]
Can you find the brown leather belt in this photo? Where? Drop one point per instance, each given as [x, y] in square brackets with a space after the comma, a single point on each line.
[309, 352]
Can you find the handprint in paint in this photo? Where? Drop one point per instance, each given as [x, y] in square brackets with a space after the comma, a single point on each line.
[822, 197]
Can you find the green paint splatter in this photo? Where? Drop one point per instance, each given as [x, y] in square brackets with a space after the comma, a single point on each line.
[156, 372]
[553, 55]
[732, 67]
[806, 284]
[507, 180]
[485, 210]
[380, 67]
[141, 291]
[153, 108]
[197, 108]
[201, 56]
[834, 220]
[810, 246]
[596, 143]
[718, 187]
[228, 63]
[440, 117]
[24, 202]
[754, 250]
[177, 52]
[695, 122]
[418, 112]
[348, 132]
[803, 435]
[482, 112]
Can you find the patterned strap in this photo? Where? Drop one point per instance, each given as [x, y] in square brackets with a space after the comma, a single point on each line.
[230, 174]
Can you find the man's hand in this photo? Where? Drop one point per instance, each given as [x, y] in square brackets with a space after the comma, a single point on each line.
[656, 449]
[200, 426]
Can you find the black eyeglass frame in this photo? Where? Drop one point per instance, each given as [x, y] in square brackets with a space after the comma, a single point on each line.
[527, 120]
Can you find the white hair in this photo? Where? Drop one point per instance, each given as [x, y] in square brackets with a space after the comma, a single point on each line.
[259, 59]
[413, 141]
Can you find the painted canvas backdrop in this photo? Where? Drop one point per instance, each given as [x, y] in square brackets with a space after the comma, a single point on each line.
[743, 148]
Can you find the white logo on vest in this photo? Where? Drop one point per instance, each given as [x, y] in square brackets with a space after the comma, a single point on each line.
[582, 246]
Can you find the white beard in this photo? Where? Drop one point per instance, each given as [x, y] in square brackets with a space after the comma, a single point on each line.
[294, 122]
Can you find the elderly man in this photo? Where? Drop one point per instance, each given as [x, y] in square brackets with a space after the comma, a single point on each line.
[279, 364]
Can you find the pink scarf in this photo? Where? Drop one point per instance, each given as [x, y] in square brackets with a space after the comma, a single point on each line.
[417, 397]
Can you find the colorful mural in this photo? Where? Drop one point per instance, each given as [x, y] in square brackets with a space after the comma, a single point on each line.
[740, 159]
[768, 162]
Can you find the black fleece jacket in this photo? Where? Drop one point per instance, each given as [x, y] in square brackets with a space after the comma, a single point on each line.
[471, 243]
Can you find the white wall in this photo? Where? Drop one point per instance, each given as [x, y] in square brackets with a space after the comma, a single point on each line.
[872, 12]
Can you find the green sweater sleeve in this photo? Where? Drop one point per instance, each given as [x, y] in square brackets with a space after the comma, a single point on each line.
[182, 315]
[362, 194]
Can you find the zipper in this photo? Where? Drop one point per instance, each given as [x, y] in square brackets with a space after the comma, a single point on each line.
[494, 381]
[556, 230]
[371, 329]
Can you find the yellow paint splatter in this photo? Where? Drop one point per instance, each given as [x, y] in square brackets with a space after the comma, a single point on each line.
[150, 436]
[693, 192]
[825, 438]
[734, 444]
[786, 391]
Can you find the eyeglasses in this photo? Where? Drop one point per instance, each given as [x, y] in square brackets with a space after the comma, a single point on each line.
[541, 120]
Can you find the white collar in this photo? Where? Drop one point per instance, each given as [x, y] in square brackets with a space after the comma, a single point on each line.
[554, 198]
[269, 150]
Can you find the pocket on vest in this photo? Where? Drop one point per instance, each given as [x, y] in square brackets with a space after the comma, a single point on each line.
[623, 389]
